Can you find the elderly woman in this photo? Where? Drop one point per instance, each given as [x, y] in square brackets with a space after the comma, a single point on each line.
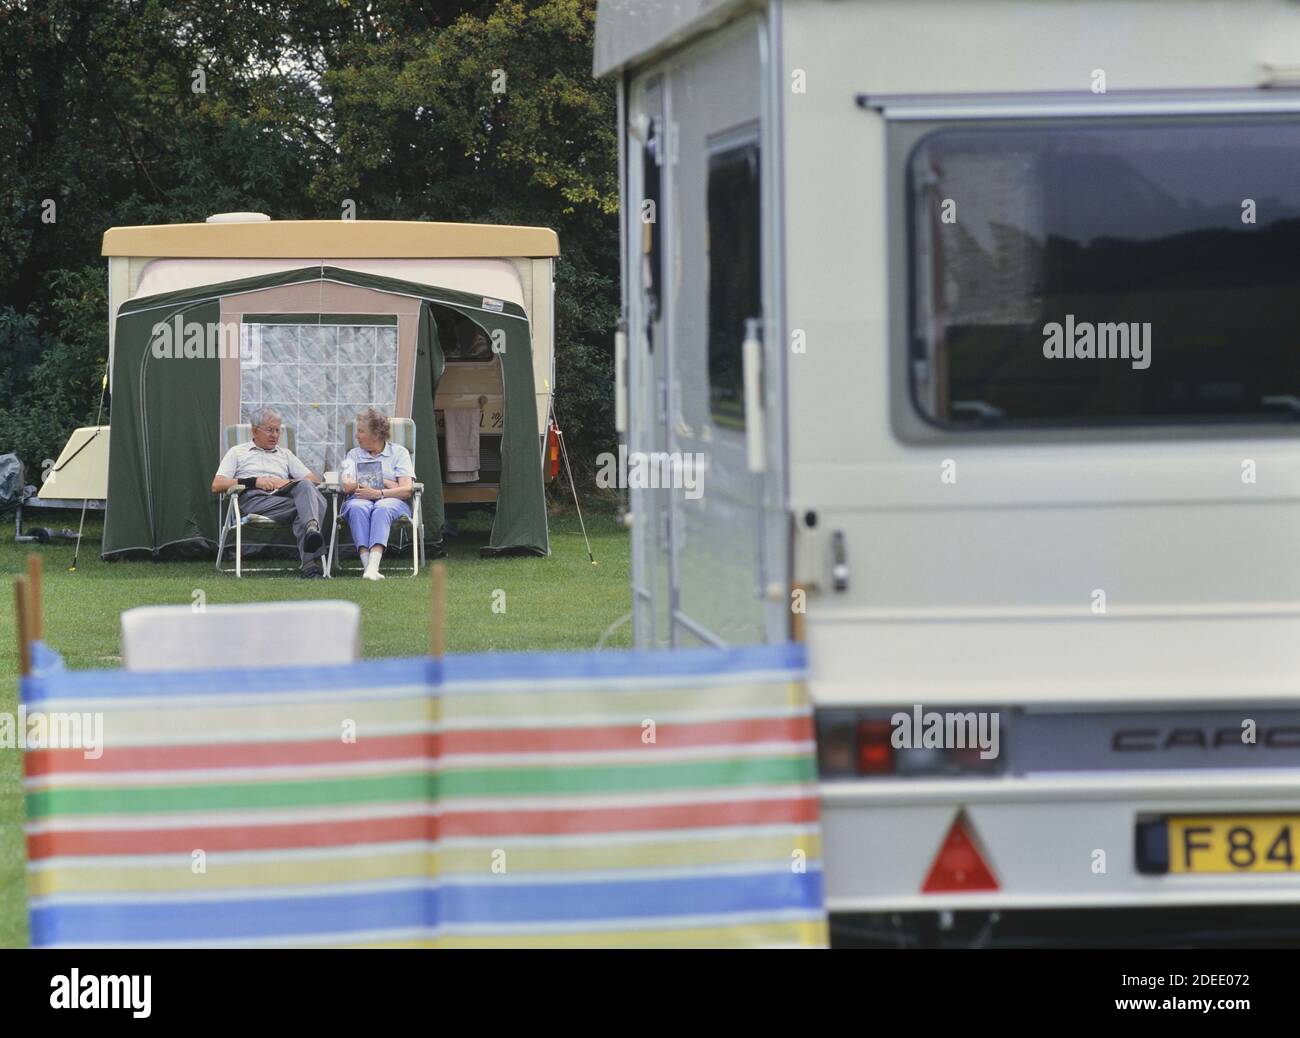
[377, 478]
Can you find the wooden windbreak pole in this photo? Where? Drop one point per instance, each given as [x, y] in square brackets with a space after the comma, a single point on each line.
[798, 617]
[35, 599]
[438, 611]
[20, 618]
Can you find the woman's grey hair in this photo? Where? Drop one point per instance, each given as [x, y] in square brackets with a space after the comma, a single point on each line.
[374, 422]
[266, 414]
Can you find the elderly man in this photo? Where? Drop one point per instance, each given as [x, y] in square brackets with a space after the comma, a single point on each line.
[277, 485]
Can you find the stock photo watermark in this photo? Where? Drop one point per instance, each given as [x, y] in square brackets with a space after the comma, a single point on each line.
[1084, 340]
[952, 730]
[656, 470]
[39, 730]
[75, 990]
[197, 340]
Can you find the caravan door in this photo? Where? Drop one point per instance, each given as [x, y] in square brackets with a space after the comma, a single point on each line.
[647, 373]
[719, 414]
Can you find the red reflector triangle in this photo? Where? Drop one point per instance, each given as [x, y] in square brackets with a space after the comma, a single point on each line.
[959, 865]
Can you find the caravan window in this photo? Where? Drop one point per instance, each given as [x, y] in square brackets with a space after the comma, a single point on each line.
[1073, 273]
[652, 238]
[318, 376]
[461, 338]
[735, 287]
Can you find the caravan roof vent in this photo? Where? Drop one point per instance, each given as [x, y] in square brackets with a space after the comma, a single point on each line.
[238, 218]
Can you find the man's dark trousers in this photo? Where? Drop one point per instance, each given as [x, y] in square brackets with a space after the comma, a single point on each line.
[302, 504]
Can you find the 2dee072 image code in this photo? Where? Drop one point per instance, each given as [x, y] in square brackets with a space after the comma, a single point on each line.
[1177, 980]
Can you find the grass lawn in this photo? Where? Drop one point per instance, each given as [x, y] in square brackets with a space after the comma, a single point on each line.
[560, 602]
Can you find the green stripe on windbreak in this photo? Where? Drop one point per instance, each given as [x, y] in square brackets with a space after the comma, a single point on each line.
[740, 771]
[424, 786]
[46, 802]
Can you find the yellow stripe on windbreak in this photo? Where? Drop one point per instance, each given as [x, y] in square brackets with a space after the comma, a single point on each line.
[796, 695]
[596, 704]
[219, 875]
[802, 933]
[124, 727]
[274, 869]
[160, 723]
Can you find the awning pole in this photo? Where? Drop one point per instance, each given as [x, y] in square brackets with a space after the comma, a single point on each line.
[99, 416]
[572, 486]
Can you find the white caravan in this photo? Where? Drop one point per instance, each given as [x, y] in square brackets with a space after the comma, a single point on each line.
[981, 321]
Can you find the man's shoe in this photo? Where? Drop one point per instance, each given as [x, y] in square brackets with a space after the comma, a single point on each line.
[311, 571]
[312, 542]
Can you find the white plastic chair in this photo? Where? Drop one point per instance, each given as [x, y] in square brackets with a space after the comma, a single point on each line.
[258, 634]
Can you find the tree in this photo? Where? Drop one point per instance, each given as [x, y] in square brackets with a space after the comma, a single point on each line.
[139, 111]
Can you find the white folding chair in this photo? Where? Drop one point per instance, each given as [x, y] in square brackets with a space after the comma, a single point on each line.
[402, 432]
[259, 634]
[233, 521]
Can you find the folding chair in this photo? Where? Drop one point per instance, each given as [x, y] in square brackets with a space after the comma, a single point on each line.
[233, 520]
[402, 432]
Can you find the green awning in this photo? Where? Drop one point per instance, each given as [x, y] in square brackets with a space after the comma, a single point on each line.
[166, 420]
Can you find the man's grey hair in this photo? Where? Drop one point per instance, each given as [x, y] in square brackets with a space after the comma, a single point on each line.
[265, 414]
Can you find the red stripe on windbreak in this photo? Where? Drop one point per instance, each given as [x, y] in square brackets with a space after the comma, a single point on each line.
[226, 838]
[628, 819]
[392, 747]
[422, 827]
[628, 736]
[234, 755]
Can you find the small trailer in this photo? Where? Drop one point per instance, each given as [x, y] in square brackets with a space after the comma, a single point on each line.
[78, 480]
[977, 323]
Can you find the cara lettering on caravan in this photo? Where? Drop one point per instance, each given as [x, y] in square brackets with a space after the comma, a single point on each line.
[1087, 341]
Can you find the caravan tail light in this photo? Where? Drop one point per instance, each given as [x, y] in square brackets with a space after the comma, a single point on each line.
[863, 744]
[875, 754]
[552, 467]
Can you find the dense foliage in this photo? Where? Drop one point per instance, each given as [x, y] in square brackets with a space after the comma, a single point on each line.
[118, 112]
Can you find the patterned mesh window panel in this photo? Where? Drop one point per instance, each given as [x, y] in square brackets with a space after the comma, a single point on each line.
[317, 377]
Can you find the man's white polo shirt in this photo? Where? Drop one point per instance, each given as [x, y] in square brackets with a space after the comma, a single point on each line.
[249, 461]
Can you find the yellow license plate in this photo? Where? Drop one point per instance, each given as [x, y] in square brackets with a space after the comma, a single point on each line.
[1241, 843]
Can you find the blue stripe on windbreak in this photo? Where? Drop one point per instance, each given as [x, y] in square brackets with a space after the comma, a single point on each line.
[459, 905]
[527, 667]
[119, 684]
[234, 919]
[622, 663]
[44, 659]
[630, 899]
